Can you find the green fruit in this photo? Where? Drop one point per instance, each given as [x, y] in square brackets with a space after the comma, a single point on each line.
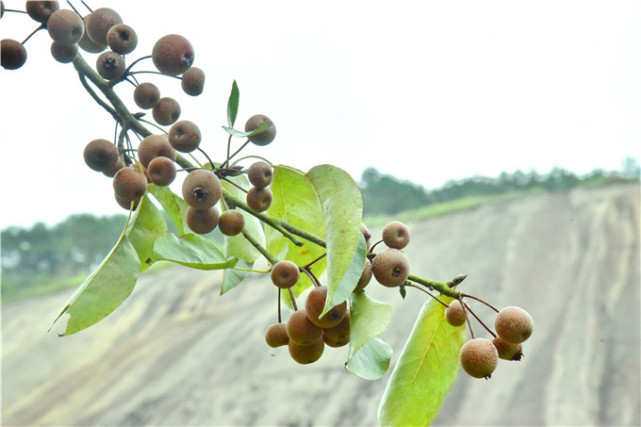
[130, 183]
[285, 274]
[301, 330]
[193, 81]
[65, 26]
[455, 314]
[122, 39]
[64, 53]
[99, 22]
[166, 111]
[338, 335]
[396, 235]
[366, 276]
[173, 54]
[231, 223]
[146, 95]
[391, 267]
[276, 335]
[13, 55]
[514, 324]
[40, 11]
[101, 155]
[184, 136]
[201, 189]
[507, 350]
[162, 171]
[259, 199]
[479, 357]
[306, 354]
[264, 137]
[155, 146]
[260, 174]
[314, 307]
[201, 221]
[110, 65]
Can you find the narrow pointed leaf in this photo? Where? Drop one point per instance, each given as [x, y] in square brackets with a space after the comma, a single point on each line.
[173, 205]
[240, 134]
[372, 360]
[192, 251]
[425, 371]
[352, 275]
[146, 225]
[232, 104]
[342, 208]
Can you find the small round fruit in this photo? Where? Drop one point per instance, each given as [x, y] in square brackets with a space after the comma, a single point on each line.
[122, 39]
[193, 81]
[101, 155]
[231, 223]
[64, 53]
[173, 54]
[479, 357]
[166, 111]
[507, 350]
[88, 45]
[202, 189]
[65, 26]
[365, 232]
[184, 136]
[396, 235]
[126, 204]
[338, 335]
[130, 183]
[146, 95]
[314, 307]
[13, 55]
[285, 274]
[260, 174]
[99, 22]
[259, 199]
[301, 330]
[264, 137]
[391, 267]
[155, 146]
[112, 170]
[306, 354]
[201, 221]
[455, 314]
[40, 11]
[514, 324]
[110, 65]
[276, 335]
[366, 276]
[162, 171]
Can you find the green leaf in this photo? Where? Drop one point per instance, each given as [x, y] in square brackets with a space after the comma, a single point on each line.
[147, 225]
[239, 134]
[372, 360]
[105, 289]
[368, 318]
[295, 201]
[352, 275]
[238, 246]
[342, 208]
[232, 277]
[192, 251]
[425, 371]
[173, 205]
[232, 104]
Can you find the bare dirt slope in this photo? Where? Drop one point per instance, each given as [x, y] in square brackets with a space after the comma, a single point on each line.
[176, 353]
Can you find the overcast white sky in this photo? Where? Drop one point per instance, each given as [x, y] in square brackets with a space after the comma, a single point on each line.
[426, 91]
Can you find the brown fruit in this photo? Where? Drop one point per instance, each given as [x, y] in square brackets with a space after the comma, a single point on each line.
[40, 11]
[301, 330]
[166, 111]
[193, 81]
[201, 189]
[126, 204]
[514, 324]
[65, 26]
[146, 95]
[306, 354]
[507, 350]
[285, 274]
[113, 169]
[366, 276]
[260, 174]
[455, 314]
[130, 183]
[173, 54]
[365, 232]
[396, 235]
[99, 22]
[314, 307]
[162, 171]
[231, 223]
[391, 267]
[184, 136]
[259, 199]
[479, 357]
[276, 335]
[264, 137]
[101, 155]
[64, 53]
[155, 146]
[338, 335]
[13, 55]
[201, 221]
[122, 39]
[110, 65]
[88, 45]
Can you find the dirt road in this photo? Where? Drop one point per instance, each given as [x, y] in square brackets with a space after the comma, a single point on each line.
[176, 353]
